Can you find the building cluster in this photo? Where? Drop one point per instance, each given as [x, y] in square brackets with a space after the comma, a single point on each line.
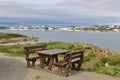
[66, 28]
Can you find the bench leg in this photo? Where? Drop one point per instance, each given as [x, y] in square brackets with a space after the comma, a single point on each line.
[67, 70]
[73, 66]
[80, 62]
[60, 69]
[78, 68]
[28, 63]
[79, 65]
[33, 62]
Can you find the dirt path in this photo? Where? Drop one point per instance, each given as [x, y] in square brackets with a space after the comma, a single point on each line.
[12, 68]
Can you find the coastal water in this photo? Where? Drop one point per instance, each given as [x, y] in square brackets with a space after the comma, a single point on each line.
[109, 40]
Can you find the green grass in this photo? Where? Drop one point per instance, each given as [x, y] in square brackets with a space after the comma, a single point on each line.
[10, 35]
[86, 59]
[112, 60]
[112, 68]
[60, 45]
[18, 50]
[13, 50]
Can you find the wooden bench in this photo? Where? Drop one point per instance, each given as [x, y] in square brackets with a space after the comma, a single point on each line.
[70, 59]
[30, 50]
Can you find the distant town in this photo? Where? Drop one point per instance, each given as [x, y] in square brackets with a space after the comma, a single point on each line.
[101, 28]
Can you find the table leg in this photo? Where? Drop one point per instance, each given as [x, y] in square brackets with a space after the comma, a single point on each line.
[41, 61]
[50, 63]
[56, 58]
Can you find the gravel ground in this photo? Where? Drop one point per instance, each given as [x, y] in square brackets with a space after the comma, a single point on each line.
[12, 68]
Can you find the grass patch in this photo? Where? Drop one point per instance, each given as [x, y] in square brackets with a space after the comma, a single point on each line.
[86, 59]
[18, 50]
[10, 35]
[108, 65]
[59, 45]
[110, 70]
[13, 50]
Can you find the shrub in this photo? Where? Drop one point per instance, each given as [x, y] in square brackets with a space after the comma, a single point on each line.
[114, 60]
[111, 70]
[86, 59]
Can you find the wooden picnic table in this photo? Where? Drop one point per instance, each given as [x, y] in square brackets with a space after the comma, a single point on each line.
[51, 54]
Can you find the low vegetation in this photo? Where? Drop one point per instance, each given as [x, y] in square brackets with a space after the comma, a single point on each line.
[17, 50]
[12, 37]
[108, 65]
[95, 58]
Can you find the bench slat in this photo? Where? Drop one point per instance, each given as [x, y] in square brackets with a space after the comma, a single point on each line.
[71, 58]
[33, 57]
[62, 63]
[75, 60]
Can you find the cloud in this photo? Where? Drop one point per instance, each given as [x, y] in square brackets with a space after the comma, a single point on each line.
[60, 11]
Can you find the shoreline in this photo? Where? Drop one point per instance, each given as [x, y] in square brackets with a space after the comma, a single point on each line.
[18, 40]
[15, 43]
[34, 42]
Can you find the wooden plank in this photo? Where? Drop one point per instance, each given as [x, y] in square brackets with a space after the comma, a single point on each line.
[53, 51]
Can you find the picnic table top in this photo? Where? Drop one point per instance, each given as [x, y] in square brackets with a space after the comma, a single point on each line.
[52, 51]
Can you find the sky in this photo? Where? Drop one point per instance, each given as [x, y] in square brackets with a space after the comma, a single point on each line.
[59, 12]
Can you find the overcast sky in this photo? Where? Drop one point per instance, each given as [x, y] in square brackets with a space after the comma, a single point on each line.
[60, 12]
